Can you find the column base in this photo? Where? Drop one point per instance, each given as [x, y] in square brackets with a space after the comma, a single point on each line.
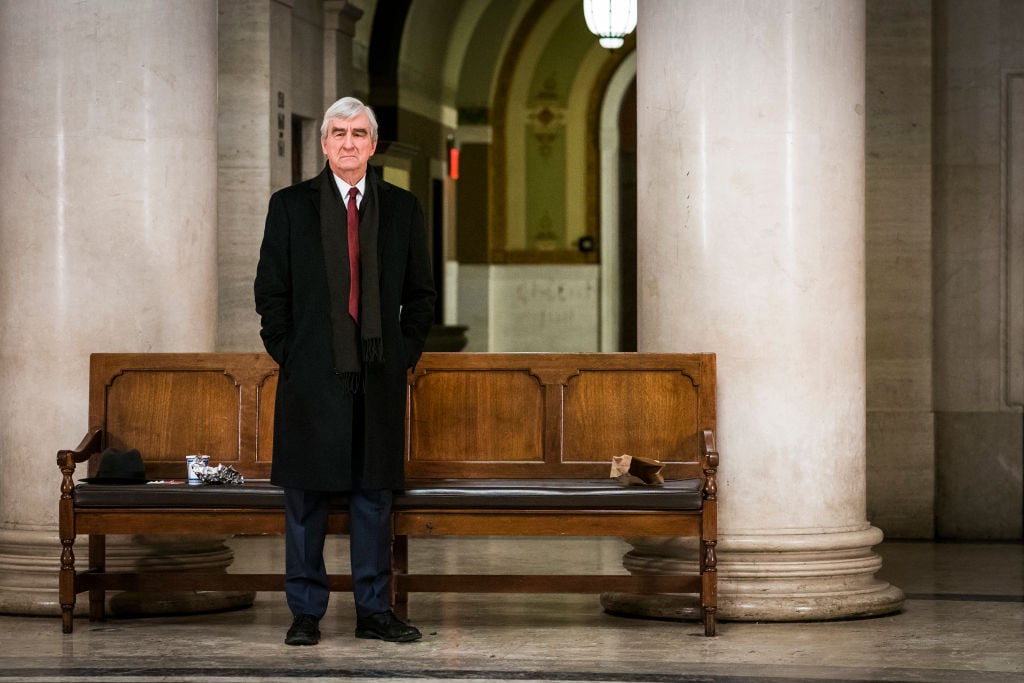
[30, 560]
[781, 577]
[29, 563]
[207, 553]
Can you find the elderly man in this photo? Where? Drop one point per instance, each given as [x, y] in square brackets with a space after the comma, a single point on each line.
[346, 300]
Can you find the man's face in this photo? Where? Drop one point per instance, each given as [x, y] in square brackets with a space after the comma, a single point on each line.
[349, 146]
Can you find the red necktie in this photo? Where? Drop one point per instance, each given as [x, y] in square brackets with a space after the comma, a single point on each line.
[353, 255]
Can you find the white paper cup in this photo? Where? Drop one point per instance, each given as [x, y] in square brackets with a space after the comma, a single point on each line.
[193, 461]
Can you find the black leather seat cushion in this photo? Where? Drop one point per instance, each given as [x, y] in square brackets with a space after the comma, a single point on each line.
[568, 494]
[258, 493]
[538, 494]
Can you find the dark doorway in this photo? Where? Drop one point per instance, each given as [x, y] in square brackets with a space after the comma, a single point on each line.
[437, 245]
[627, 220]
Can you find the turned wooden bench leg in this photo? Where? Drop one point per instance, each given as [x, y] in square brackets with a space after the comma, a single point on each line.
[66, 584]
[97, 565]
[67, 589]
[709, 621]
[400, 568]
[709, 586]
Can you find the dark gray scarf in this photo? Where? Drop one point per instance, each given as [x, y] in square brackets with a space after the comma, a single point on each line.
[353, 345]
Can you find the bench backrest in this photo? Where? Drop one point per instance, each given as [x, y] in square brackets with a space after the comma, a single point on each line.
[501, 415]
[168, 405]
[549, 415]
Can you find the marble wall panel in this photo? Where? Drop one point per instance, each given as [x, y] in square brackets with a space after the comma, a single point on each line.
[1013, 190]
[1011, 31]
[899, 384]
[474, 304]
[899, 86]
[901, 473]
[898, 244]
[307, 62]
[544, 308]
[979, 476]
[281, 96]
[979, 445]
[967, 287]
[967, 83]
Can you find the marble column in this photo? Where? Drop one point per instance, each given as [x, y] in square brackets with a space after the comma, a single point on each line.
[247, 145]
[108, 113]
[340, 17]
[751, 245]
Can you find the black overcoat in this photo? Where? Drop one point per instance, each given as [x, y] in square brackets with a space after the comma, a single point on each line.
[313, 419]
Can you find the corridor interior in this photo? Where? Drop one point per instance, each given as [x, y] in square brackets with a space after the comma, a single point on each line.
[963, 621]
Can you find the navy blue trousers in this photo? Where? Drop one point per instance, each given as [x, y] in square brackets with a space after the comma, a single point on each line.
[305, 583]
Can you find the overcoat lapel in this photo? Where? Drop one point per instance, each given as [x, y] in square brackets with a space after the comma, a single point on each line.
[335, 250]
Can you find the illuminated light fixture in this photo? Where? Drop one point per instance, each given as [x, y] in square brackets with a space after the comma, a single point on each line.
[453, 158]
[453, 163]
[610, 20]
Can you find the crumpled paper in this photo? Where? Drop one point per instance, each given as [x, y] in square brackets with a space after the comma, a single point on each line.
[221, 474]
[635, 470]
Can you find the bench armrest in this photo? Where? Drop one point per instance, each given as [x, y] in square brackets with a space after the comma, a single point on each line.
[66, 461]
[90, 445]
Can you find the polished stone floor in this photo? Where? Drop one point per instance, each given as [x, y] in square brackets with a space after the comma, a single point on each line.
[963, 621]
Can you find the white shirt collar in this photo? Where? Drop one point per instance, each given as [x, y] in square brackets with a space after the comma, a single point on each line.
[344, 187]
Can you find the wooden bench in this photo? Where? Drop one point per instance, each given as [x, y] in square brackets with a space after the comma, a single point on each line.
[497, 445]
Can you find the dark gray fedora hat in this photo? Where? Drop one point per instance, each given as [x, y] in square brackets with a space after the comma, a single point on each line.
[119, 467]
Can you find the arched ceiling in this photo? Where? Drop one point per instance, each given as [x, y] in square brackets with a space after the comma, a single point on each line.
[491, 33]
[452, 51]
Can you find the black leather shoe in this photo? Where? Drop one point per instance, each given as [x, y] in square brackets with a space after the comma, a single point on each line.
[304, 631]
[386, 626]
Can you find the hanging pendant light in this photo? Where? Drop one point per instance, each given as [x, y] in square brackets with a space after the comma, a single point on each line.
[610, 20]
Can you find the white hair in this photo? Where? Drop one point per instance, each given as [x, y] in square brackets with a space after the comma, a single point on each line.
[347, 108]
